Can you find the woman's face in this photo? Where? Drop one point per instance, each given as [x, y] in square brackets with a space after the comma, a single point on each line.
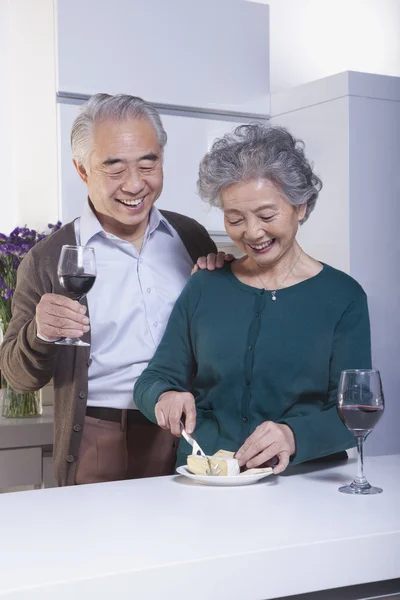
[260, 221]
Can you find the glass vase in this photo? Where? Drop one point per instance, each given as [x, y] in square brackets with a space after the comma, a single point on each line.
[19, 405]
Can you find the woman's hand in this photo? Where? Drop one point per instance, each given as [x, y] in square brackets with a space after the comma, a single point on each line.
[170, 408]
[268, 441]
[212, 261]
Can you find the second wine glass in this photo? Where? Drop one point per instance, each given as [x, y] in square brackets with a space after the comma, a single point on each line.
[360, 406]
[77, 273]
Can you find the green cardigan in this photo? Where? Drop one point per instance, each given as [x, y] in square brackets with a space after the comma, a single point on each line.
[248, 359]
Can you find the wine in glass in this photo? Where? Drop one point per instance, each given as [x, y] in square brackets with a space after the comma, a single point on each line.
[77, 273]
[360, 406]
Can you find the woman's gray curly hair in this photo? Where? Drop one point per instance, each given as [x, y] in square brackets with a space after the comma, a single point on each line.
[259, 151]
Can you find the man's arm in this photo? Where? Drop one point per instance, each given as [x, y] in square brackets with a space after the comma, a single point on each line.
[26, 361]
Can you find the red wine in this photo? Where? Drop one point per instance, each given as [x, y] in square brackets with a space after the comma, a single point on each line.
[76, 286]
[360, 419]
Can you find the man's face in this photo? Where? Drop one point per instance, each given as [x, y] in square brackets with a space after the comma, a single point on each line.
[125, 175]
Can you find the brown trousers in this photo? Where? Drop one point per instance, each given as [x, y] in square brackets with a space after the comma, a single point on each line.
[131, 449]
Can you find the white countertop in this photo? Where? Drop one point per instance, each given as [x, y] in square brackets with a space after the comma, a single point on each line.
[27, 432]
[171, 538]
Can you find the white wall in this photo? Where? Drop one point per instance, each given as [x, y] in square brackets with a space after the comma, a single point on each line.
[33, 111]
[8, 208]
[311, 39]
[28, 146]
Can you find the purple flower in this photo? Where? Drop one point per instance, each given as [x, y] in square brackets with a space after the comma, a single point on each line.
[6, 293]
[13, 248]
[55, 227]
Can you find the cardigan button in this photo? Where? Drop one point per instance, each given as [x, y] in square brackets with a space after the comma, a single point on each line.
[82, 395]
[70, 458]
[77, 427]
[244, 419]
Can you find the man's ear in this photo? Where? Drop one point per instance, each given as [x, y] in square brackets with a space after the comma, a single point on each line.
[81, 171]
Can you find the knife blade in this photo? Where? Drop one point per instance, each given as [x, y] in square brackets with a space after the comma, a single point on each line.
[196, 449]
[190, 440]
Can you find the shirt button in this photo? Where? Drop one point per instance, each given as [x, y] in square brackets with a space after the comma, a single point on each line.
[247, 381]
[244, 419]
[82, 395]
[140, 260]
[77, 427]
[257, 315]
[155, 324]
[250, 348]
[148, 290]
[70, 458]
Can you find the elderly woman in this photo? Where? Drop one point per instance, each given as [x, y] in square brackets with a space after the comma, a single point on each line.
[253, 352]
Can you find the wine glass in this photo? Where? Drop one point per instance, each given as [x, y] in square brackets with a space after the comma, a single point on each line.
[360, 406]
[77, 273]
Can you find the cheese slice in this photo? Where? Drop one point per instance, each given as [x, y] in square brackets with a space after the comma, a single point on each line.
[222, 460]
[257, 471]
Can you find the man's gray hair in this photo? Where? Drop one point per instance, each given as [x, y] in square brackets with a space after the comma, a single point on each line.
[103, 107]
[259, 151]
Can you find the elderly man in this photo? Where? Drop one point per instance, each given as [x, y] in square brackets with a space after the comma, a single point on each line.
[144, 258]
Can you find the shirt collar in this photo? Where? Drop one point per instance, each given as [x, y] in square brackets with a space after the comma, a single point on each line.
[90, 225]
[157, 219]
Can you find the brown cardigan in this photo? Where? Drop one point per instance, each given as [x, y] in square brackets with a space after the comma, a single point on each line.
[28, 363]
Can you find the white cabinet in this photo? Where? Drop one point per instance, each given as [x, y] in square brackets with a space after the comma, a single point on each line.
[198, 53]
[351, 126]
[324, 126]
[25, 451]
[20, 467]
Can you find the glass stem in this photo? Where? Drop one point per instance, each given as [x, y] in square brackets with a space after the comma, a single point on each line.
[360, 479]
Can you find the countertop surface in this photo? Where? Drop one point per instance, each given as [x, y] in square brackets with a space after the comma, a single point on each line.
[171, 538]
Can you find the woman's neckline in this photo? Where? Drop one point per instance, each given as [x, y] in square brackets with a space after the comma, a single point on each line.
[253, 289]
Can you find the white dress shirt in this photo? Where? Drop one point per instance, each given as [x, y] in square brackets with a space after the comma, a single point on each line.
[130, 303]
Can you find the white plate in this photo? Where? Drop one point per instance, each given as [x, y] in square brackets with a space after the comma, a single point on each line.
[223, 481]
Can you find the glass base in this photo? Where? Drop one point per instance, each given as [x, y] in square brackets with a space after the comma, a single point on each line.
[360, 489]
[71, 342]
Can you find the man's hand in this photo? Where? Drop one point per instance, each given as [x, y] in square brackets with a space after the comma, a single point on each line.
[58, 316]
[170, 408]
[268, 441]
[212, 261]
